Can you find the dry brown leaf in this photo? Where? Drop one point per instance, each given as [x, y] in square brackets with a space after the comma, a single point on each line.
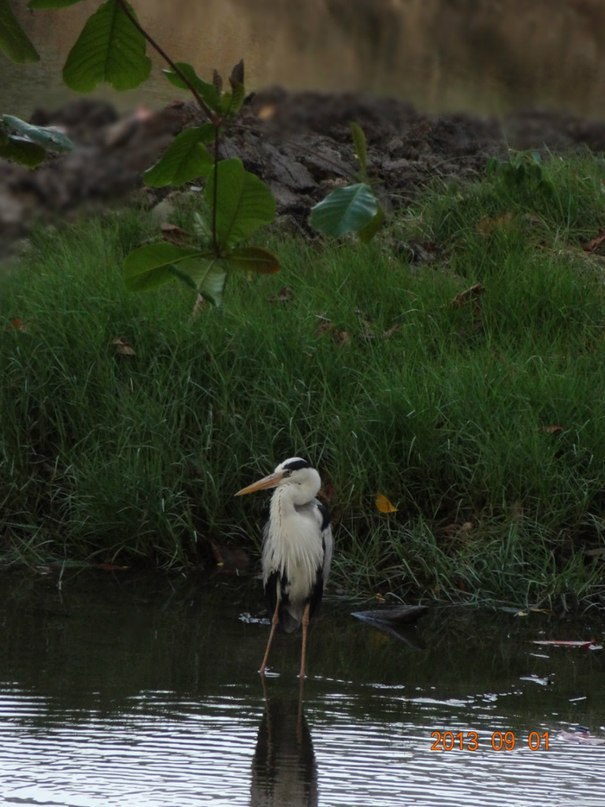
[457, 530]
[174, 234]
[392, 330]
[111, 567]
[267, 112]
[471, 294]
[595, 243]
[384, 505]
[123, 347]
[488, 224]
[284, 295]
[367, 329]
[339, 335]
[516, 510]
[554, 429]
[17, 324]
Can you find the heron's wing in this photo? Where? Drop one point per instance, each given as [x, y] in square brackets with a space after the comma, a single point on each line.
[328, 550]
[323, 516]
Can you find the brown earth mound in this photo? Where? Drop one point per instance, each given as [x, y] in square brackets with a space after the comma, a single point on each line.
[299, 143]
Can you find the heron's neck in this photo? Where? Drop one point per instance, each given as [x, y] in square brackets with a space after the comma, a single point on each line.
[287, 497]
[282, 504]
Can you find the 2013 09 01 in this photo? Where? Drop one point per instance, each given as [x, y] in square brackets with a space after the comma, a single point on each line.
[495, 741]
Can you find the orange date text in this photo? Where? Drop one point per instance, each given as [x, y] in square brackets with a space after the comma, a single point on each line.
[495, 741]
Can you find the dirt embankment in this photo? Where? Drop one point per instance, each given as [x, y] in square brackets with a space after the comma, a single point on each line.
[299, 143]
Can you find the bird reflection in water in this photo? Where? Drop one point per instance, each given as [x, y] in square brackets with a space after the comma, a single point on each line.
[284, 770]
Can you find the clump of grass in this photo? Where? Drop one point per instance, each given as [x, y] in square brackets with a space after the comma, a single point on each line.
[478, 414]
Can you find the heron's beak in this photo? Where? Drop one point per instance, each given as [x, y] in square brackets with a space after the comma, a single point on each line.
[270, 481]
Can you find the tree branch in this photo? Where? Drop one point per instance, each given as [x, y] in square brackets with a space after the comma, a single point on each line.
[212, 116]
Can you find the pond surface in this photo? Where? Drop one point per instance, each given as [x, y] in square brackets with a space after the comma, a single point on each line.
[127, 690]
[477, 55]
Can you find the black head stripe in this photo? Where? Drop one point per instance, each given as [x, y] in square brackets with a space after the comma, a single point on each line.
[296, 464]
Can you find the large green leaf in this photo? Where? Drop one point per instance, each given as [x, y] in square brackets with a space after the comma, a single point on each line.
[186, 158]
[45, 136]
[205, 274]
[153, 264]
[345, 210]
[110, 48]
[33, 4]
[207, 91]
[22, 152]
[243, 202]
[210, 277]
[253, 259]
[214, 285]
[14, 42]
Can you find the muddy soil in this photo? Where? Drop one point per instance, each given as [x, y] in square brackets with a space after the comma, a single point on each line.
[299, 143]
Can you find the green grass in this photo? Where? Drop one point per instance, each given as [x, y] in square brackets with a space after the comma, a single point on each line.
[484, 421]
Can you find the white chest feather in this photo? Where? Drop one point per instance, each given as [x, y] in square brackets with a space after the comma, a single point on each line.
[294, 546]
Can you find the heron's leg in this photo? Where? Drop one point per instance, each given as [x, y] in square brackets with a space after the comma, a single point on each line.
[274, 624]
[305, 628]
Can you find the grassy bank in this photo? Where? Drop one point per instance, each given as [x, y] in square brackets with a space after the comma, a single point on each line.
[478, 412]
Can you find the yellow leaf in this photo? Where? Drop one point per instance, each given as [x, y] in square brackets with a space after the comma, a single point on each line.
[383, 505]
[123, 347]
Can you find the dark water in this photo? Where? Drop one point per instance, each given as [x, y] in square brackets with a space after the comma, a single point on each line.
[487, 56]
[144, 691]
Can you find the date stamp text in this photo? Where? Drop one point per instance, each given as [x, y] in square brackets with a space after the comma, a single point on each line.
[494, 741]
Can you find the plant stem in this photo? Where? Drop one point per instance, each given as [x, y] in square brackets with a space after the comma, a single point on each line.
[212, 116]
[215, 245]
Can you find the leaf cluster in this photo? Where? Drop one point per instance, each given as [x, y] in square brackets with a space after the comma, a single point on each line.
[112, 48]
[352, 208]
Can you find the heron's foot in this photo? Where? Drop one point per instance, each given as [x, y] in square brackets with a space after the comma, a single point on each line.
[267, 672]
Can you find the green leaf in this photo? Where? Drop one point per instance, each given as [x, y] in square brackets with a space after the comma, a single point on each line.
[345, 210]
[213, 285]
[205, 274]
[372, 227]
[186, 158]
[231, 102]
[361, 148]
[253, 259]
[244, 203]
[22, 152]
[14, 42]
[237, 73]
[211, 281]
[45, 136]
[110, 48]
[207, 91]
[153, 264]
[33, 4]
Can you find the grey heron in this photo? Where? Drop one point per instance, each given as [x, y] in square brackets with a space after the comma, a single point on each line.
[297, 548]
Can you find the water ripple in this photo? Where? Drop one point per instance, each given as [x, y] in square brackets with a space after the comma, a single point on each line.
[165, 751]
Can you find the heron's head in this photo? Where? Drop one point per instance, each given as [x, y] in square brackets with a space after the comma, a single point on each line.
[294, 473]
